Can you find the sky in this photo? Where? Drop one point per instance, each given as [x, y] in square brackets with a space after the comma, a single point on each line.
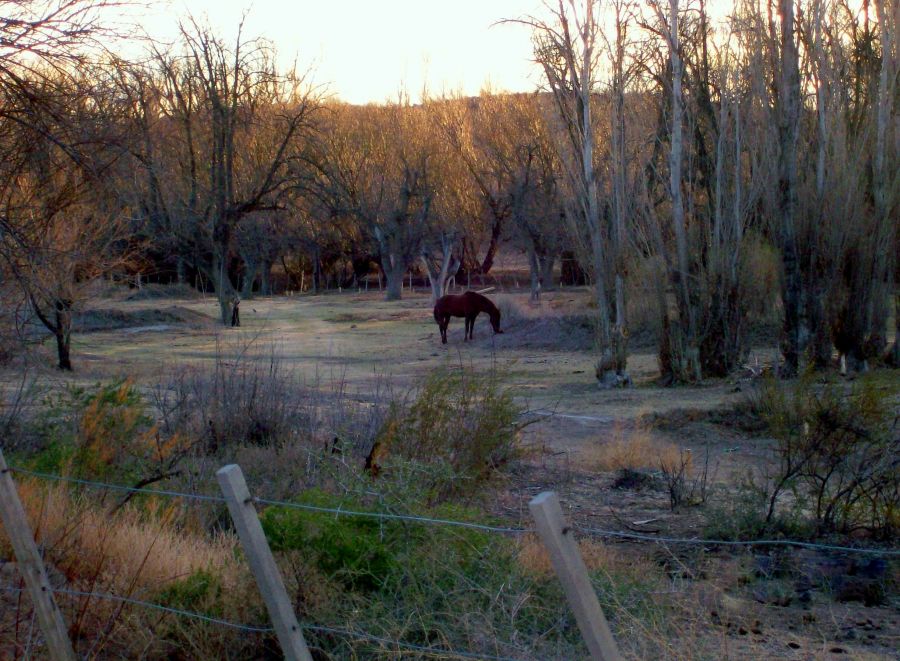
[366, 51]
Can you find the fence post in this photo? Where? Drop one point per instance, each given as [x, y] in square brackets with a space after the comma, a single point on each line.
[259, 555]
[569, 566]
[31, 566]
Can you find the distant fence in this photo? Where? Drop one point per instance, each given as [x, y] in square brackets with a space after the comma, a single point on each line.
[550, 525]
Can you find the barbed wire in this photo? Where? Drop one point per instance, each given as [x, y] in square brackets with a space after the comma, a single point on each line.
[361, 635]
[395, 517]
[117, 487]
[714, 542]
[279, 503]
[346, 633]
[149, 604]
[465, 524]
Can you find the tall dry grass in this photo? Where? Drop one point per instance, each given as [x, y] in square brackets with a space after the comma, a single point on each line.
[633, 448]
[134, 553]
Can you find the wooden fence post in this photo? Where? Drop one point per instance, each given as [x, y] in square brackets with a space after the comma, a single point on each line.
[31, 566]
[570, 568]
[259, 555]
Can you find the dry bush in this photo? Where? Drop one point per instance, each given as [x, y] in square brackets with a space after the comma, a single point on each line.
[515, 309]
[145, 554]
[462, 422]
[837, 455]
[16, 411]
[241, 399]
[634, 449]
[534, 559]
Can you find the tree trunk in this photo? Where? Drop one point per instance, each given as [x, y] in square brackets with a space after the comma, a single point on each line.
[179, 270]
[316, 271]
[394, 271]
[438, 278]
[265, 284]
[788, 131]
[250, 271]
[224, 290]
[688, 362]
[895, 350]
[883, 166]
[547, 264]
[535, 273]
[619, 168]
[63, 334]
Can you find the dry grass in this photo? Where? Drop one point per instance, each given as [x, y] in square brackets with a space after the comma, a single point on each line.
[134, 553]
[633, 449]
[146, 549]
[534, 559]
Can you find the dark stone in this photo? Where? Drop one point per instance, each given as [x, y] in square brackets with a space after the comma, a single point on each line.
[632, 480]
[869, 591]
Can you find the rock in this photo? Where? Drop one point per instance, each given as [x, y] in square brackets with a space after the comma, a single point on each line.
[773, 595]
[632, 480]
[869, 591]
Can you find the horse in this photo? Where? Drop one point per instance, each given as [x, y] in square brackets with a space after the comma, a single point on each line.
[468, 305]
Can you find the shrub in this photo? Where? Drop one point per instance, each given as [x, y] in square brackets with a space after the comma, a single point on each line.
[16, 417]
[92, 431]
[463, 419]
[194, 593]
[633, 449]
[243, 399]
[104, 432]
[836, 456]
[354, 550]
[152, 554]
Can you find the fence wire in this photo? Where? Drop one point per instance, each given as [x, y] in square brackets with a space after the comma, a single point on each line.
[387, 516]
[723, 542]
[361, 636]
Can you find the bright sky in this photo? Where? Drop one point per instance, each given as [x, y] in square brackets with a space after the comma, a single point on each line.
[365, 50]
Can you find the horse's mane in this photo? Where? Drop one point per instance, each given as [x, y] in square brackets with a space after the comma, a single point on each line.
[486, 303]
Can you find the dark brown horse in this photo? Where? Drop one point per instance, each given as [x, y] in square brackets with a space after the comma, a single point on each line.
[467, 305]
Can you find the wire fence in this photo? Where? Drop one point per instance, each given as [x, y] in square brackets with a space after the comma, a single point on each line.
[315, 628]
[388, 516]
[350, 634]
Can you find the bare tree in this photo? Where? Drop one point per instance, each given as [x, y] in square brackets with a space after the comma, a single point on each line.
[788, 103]
[61, 223]
[567, 49]
[377, 165]
[238, 125]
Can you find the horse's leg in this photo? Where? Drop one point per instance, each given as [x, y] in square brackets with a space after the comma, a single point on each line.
[444, 324]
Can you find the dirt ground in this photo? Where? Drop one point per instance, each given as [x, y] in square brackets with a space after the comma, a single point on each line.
[546, 359]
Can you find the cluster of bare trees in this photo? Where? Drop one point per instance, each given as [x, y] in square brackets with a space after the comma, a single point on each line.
[778, 121]
[666, 142]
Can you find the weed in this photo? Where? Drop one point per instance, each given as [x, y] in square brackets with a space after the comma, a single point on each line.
[835, 465]
[633, 449]
[463, 419]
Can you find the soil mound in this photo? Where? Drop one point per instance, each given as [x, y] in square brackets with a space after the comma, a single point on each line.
[150, 318]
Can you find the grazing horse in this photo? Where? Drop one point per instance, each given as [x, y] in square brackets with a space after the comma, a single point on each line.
[467, 305]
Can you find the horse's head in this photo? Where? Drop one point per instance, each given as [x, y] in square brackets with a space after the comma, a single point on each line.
[495, 320]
